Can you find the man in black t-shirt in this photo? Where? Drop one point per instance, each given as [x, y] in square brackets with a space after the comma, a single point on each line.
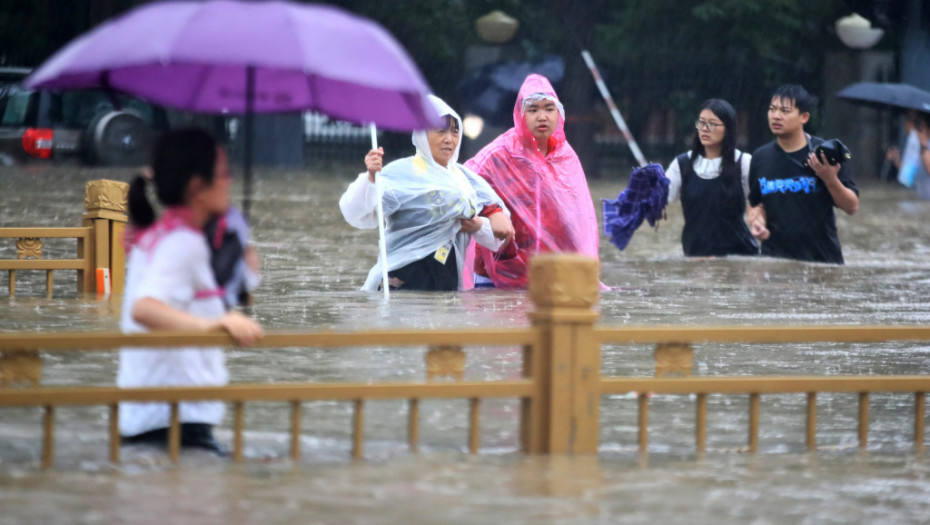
[792, 192]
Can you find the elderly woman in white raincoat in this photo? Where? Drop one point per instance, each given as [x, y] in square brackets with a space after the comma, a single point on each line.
[433, 207]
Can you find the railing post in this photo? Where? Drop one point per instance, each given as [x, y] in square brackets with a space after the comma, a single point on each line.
[564, 416]
[105, 205]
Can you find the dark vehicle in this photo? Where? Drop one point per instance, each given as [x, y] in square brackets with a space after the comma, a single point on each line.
[90, 126]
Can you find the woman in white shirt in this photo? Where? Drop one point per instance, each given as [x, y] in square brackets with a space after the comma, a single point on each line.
[712, 182]
[170, 286]
[433, 207]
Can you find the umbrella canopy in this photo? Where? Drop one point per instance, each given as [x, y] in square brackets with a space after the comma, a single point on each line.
[227, 56]
[887, 96]
[195, 56]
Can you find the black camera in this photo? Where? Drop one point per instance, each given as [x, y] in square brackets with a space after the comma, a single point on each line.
[833, 151]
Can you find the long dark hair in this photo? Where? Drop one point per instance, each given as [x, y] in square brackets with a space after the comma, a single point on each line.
[730, 171]
[178, 156]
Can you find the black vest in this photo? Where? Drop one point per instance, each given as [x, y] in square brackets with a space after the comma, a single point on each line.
[714, 224]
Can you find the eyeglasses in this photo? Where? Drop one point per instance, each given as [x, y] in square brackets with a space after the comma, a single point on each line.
[709, 126]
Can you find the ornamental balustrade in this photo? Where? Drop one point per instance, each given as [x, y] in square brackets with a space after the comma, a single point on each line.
[560, 390]
[99, 252]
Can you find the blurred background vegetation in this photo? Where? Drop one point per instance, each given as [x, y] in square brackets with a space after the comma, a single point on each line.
[660, 58]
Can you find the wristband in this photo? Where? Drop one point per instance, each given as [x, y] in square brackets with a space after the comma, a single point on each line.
[490, 210]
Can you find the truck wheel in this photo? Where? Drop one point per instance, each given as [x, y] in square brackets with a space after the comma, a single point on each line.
[119, 138]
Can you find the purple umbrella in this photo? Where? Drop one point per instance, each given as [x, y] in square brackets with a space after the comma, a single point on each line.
[226, 56]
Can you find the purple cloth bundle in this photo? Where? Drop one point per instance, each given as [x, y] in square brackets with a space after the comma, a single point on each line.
[644, 198]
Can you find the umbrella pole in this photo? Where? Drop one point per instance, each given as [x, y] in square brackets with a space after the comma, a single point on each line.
[247, 154]
[614, 112]
[382, 242]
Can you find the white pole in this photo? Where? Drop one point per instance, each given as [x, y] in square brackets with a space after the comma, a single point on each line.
[382, 243]
[602, 87]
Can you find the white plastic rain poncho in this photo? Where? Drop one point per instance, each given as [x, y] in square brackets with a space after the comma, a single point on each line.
[423, 204]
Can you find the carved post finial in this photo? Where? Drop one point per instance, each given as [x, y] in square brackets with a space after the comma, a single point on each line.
[563, 280]
[109, 195]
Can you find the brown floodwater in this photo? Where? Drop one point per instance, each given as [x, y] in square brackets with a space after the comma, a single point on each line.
[313, 265]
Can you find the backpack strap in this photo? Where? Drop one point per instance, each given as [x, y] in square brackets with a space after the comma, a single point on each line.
[685, 167]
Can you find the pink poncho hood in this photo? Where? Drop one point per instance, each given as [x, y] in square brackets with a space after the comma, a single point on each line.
[548, 196]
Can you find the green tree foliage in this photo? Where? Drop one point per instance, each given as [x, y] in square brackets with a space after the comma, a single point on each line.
[22, 32]
[672, 54]
[657, 55]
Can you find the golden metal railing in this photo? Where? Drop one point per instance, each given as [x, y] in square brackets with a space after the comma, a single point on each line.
[22, 346]
[560, 391]
[682, 337]
[29, 244]
[99, 242]
[756, 386]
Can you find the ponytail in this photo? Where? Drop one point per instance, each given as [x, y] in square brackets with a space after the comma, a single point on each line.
[178, 156]
[141, 213]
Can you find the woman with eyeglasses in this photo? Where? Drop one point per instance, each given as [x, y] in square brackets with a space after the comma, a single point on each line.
[712, 182]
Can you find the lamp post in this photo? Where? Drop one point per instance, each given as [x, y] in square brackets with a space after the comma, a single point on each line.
[857, 33]
[870, 134]
[495, 29]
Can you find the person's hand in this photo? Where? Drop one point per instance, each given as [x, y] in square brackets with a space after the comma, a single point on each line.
[243, 329]
[374, 161]
[893, 155]
[923, 134]
[502, 227]
[471, 225]
[828, 173]
[758, 230]
[756, 218]
[251, 259]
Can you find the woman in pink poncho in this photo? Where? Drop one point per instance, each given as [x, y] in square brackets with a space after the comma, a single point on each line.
[538, 175]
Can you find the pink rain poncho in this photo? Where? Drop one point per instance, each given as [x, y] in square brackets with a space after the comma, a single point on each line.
[548, 197]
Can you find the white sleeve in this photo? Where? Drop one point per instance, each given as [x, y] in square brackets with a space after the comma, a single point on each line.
[252, 279]
[674, 177]
[180, 266]
[485, 236]
[359, 203]
[744, 168]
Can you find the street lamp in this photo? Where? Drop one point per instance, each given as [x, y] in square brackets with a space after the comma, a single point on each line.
[496, 27]
[857, 32]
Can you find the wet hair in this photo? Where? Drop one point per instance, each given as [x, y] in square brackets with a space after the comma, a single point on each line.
[178, 156]
[796, 93]
[921, 120]
[730, 170]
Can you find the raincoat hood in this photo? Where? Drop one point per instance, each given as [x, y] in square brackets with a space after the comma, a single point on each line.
[421, 143]
[537, 85]
[424, 203]
[548, 197]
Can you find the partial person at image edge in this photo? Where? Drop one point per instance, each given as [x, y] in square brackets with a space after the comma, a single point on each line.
[792, 191]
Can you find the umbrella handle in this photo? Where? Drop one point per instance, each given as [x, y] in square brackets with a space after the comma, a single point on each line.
[382, 242]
